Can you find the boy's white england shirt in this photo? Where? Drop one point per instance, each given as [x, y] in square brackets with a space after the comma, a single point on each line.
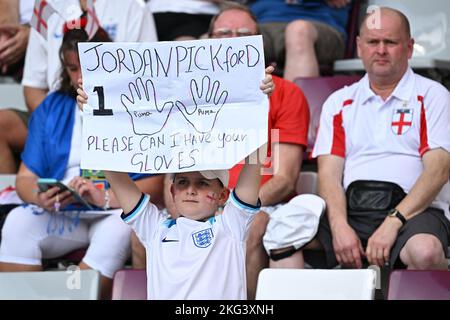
[195, 260]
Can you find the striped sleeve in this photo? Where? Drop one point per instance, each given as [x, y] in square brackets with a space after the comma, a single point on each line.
[434, 120]
[143, 201]
[144, 218]
[238, 215]
[244, 206]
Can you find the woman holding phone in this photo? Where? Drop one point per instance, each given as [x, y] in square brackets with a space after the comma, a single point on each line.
[42, 228]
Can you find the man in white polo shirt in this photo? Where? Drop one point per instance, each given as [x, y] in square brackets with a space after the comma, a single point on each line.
[383, 154]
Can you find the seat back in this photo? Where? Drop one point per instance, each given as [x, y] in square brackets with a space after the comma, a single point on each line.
[7, 180]
[419, 285]
[130, 284]
[352, 29]
[307, 284]
[317, 90]
[430, 25]
[430, 28]
[306, 183]
[73, 284]
[12, 96]
[71, 258]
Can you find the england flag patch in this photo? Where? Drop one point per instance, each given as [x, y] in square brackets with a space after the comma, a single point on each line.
[401, 121]
[203, 238]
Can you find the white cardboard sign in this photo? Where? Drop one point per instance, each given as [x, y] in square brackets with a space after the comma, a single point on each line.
[172, 106]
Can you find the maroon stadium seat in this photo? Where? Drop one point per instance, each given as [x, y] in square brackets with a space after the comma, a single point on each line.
[317, 90]
[419, 285]
[130, 284]
[71, 258]
[352, 30]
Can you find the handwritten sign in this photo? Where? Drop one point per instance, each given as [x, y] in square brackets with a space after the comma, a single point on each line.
[172, 106]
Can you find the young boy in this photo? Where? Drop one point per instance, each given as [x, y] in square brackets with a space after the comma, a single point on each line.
[201, 254]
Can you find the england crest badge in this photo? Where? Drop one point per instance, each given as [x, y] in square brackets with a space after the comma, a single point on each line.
[401, 120]
[203, 238]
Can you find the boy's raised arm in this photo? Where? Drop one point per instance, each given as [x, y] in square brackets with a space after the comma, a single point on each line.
[125, 189]
[247, 187]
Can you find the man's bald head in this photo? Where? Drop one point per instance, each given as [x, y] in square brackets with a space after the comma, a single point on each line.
[371, 20]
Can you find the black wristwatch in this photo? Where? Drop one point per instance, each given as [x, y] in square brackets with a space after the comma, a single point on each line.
[396, 214]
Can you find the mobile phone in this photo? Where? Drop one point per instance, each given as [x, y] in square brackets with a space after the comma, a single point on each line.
[46, 183]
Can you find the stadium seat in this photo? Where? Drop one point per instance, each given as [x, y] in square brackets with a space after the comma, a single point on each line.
[317, 90]
[72, 258]
[419, 285]
[306, 183]
[352, 30]
[7, 180]
[429, 21]
[12, 96]
[130, 284]
[73, 284]
[306, 284]
[75, 255]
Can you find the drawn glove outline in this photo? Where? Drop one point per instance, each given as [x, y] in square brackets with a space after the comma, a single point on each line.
[205, 97]
[145, 95]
